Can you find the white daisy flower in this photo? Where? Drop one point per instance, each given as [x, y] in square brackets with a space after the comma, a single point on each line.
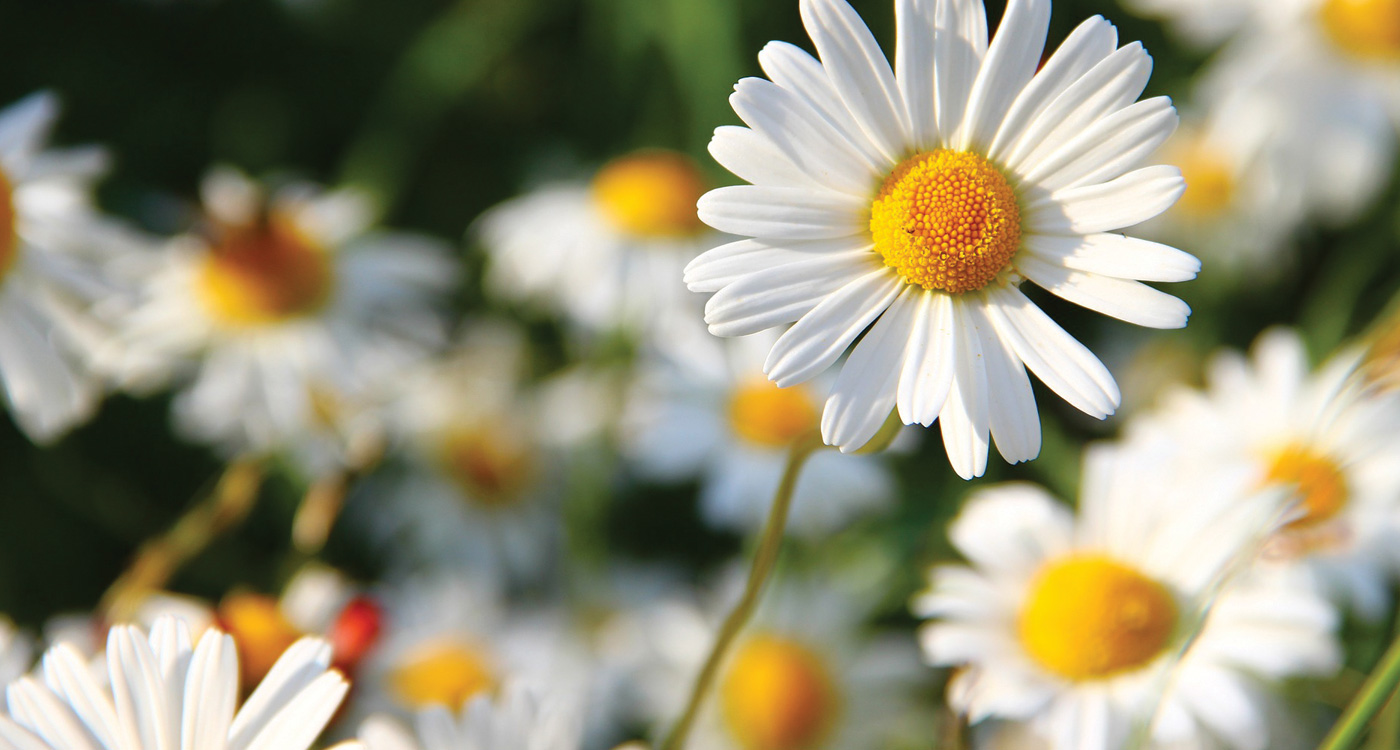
[909, 205]
[52, 246]
[1076, 625]
[1322, 434]
[16, 651]
[288, 311]
[481, 487]
[515, 720]
[607, 254]
[714, 416]
[803, 675]
[161, 691]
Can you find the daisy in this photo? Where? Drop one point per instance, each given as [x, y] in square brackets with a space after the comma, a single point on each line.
[714, 416]
[162, 691]
[515, 720]
[480, 485]
[607, 254]
[804, 676]
[1076, 626]
[16, 651]
[910, 204]
[286, 311]
[1322, 435]
[52, 247]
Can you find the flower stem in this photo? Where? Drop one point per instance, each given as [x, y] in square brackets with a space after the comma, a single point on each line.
[765, 557]
[1368, 701]
[325, 498]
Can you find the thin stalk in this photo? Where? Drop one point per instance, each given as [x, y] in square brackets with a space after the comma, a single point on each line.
[1368, 701]
[765, 557]
[325, 498]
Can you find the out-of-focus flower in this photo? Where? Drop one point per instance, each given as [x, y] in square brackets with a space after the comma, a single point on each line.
[1076, 626]
[875, 211]
[53, 247]
[1322, 434]
[714, 415]
[606, 255]
[802, 676]
[481, 486]
[161, 691]
[16, 651]
[516, 719]
[288, 309]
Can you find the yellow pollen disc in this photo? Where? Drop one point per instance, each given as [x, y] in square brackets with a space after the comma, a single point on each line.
[9, 233]
[265, 274]
[777, 695]
[259, 629]
[491, 466]
[1210, 183]
[651, 194]
[1088, 617]
[762, 413]
[1321, 486]
[444, 673]
[946, 220]
[1367, 29]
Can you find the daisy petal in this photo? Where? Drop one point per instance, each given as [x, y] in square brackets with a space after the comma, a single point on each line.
[1010, 62]
[864, 394]
[782, 294]
[816, 341]
[781, 213]
[753, 158]
[1109, 147]
[964, 420]
[211, 693]
[1015, 423]
[715, 268]
[913, 68]
[1115, 255]
[1131, 199]
[928, 364]
[959, 42]
[1126, 300]
[797, 71]
[802, 134]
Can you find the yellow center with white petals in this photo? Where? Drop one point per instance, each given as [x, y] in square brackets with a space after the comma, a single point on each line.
[269, 273]
[766, 415]
[1210, 182]
[651, 194]
[260, 630]
[946, 220]
[9, 232]
[492, 467]
[1087, 617]
[1321, 486]
[446, 673]
[778, 695]
[1365, 29]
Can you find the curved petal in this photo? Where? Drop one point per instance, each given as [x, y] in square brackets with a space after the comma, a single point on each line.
[864, 394]
[1009, 65]
[782, 213]
[928, 364]
[754, 159]
[1131, 199]
[1126, 300]
[818, 339]
[797, 71]
[782, 294]
[803, 135]
[1015, 423]
[1114, 255]
[1108, 148]
[964, 419]
[720, 266]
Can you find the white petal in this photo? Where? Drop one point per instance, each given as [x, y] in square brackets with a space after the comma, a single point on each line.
[818, 339]
[69, 674]
[797, 71]
[1015, 423]
[864, 394]
[959, 42]
[13, 736]
[1009, 65]
[1131, 199]
[211, 693]
[859, 71]
[299, 722]
[803, 135]
[25, 124]
[44, 714]
[1108, 148]
[928, 365]
[782, 213]
[964, 420]
[299, 666]
[1114, 255]
[718, 267]
[755, 159]
[1061, 362]
[913, 68]
[1126, 300]
[1090, 42]
[783, 294]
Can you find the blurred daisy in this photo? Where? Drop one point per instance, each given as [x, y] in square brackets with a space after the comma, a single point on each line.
[607, 254]
[802, 677]
[52, 247]
[480, 486]
[1324, 436]
[287, 309]
[718, 418]
[909, 205]
[515, 720]
[1076, 626]
[16, 651]
[161, 691]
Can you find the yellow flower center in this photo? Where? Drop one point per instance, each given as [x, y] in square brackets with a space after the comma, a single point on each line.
[651, 194]
[265, 274]
[9, 233]
[260, 631]
[1210, 182]
[777, 695]
[442, 673]
[1321, 486]
[1088, 617]
[764, 414]
[491, 466]
[946, 220]
[1367, 29]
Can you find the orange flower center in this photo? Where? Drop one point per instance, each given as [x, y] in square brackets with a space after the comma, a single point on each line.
[9, 232]
[1320, 484]
[265, 274]
[447, 673]
[778, 695]
[764, 414]
[651, 194]
[491, 466]
[1210, 182]
[260, 630]
[946, 220]
[1366, 29]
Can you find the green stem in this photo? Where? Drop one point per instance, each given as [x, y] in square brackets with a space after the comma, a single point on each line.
[1368, 701]
[765, 557]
